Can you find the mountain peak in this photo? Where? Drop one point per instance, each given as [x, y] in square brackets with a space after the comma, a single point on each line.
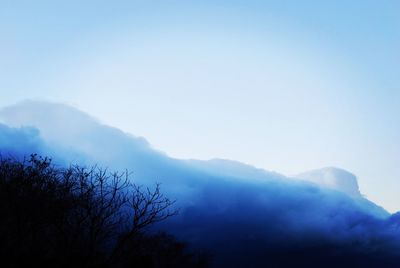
[333, 177]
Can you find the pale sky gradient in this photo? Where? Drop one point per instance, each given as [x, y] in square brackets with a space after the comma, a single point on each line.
[283, 85]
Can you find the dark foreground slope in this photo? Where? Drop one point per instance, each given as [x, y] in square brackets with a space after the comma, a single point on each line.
[245, 217]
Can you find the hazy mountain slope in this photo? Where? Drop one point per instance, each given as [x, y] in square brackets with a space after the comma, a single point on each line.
[239, 212]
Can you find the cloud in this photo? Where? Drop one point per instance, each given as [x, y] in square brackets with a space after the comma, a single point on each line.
[19, 141]
[334, 178]
[247, 217]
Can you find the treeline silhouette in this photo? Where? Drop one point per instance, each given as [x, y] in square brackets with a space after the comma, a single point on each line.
[79, 216]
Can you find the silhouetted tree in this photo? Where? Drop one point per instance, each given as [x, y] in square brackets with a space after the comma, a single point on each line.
[82, 217]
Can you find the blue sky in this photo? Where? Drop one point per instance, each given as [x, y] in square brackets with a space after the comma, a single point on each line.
[284, 85]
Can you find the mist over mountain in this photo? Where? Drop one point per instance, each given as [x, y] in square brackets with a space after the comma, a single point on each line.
[244, 216]
[334, 178]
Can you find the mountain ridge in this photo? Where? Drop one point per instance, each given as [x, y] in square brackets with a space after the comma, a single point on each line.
[222, 202]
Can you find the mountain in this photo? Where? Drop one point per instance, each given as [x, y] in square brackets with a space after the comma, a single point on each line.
[334, 178]
[245, 216]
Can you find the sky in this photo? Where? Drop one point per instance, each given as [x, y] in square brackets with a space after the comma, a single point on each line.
[283, 85]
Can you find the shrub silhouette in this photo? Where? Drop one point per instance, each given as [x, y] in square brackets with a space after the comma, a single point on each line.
[82, 217]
